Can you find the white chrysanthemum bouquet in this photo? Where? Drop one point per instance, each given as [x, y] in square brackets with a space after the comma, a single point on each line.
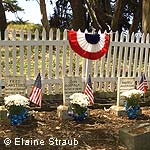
[132, 97]
[78, 105]
[81, 99]
[15, 103]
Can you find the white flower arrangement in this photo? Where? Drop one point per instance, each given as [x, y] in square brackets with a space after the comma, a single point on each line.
[132, 96]
[16, 103]
[133, 93]
[17, 100]
[78, 106]
[80, 99]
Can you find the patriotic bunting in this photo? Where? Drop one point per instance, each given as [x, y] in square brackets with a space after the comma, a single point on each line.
[91, 46]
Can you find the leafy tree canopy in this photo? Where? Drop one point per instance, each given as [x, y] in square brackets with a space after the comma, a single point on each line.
[11, 5]
[107, 15]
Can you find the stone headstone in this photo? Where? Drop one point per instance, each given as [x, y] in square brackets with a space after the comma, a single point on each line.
[15, 85]
[62, 112]
[136, 137]
[71, 85]
[124, 84]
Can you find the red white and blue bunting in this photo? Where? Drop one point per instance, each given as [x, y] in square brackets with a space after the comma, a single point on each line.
[90, 46]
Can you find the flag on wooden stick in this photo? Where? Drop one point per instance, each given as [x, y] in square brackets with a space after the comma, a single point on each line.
[143, 84]
[36, 93]
[88, 90]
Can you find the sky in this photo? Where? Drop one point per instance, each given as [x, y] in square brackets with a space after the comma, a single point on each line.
[31, 11]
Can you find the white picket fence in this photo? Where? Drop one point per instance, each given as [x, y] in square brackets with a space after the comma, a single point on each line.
[27, 53]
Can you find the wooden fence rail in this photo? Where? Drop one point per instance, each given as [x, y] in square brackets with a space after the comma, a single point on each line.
[29, 53]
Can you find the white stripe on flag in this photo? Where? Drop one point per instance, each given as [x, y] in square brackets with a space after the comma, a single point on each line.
[88, 91]
[36, 96]
[32, 95]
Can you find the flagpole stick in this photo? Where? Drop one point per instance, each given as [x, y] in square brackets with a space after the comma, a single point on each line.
[88, 62]
[88, 69]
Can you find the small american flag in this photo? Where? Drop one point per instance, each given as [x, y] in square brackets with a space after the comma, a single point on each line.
[88, 90]
[36, 93]
[143, 84]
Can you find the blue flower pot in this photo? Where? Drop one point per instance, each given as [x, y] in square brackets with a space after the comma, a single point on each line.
[132, 111]
[80, 117]
[19, 118]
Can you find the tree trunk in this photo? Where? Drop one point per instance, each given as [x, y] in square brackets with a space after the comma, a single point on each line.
[116, 20]
[79, 14]
[100, 11]
[44, 19]
[107, 7]
[3, 23]
[146, 16]
[95, 21]
[137, 18]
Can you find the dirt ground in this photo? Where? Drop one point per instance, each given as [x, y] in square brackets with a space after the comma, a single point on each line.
[44, 131]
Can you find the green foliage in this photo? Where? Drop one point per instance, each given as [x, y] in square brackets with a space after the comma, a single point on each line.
[132, 97]
[15, 110]
[62, 15]
[77, 109]
[133, 101]
[12, 6]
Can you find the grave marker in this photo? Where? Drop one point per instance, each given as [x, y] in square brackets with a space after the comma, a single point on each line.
[124, 84]
[136, 137]
[71, 85]
[15, 85]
